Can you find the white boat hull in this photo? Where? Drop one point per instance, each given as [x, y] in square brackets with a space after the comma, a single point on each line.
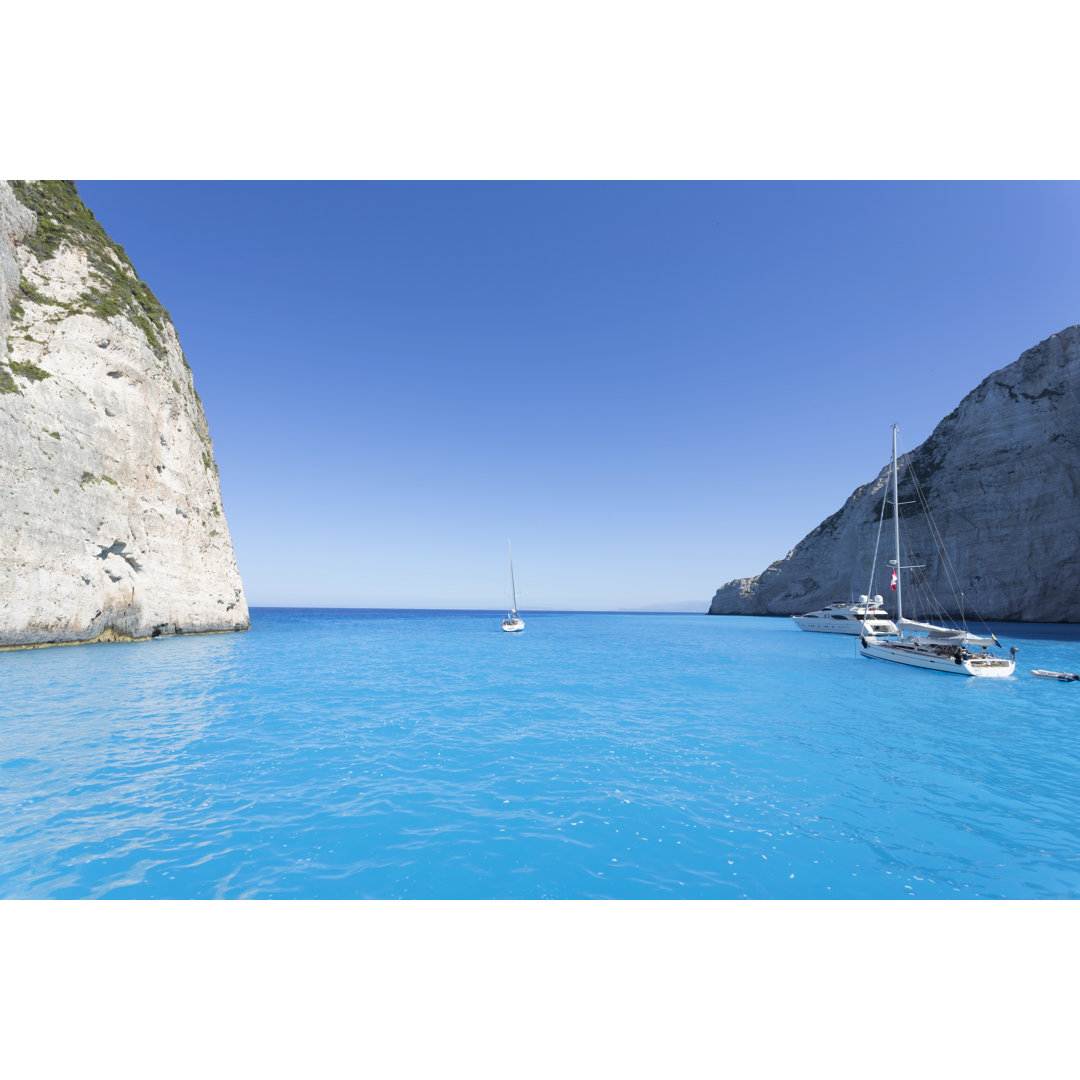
[513, 626]
[913, 655]
[828, 626]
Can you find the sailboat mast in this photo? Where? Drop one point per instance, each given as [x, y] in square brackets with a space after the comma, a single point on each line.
[513, 587]
[896, 533]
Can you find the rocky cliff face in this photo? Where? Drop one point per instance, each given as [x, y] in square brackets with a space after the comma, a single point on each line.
[1001, 475]
[110, 507]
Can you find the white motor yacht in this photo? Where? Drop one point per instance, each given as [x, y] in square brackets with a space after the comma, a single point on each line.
[841, 618]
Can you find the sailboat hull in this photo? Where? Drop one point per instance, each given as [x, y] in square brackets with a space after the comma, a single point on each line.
[513, 626]
[911, 654]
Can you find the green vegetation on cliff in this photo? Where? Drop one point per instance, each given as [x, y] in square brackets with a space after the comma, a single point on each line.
[63, 218]
[28, 371]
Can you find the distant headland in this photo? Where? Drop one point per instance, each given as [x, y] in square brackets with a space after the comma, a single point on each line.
[1001, 474]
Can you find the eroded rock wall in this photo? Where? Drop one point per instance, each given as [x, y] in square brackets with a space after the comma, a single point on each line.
[1001, 474]
[110, 505]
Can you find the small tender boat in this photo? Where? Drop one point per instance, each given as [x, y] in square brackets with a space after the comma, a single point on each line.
[1061, 676]
[841, 618]
[512, 623]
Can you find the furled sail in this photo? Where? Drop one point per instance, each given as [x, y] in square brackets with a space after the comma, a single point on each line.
[946, 634]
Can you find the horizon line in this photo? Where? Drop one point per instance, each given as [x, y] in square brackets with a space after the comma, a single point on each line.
[562, 611]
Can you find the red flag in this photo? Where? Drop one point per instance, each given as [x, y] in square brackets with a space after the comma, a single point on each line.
[894, 581]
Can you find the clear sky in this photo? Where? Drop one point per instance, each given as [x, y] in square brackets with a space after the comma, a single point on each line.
[653, 387]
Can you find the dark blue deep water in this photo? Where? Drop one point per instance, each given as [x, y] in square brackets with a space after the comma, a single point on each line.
[402, 754]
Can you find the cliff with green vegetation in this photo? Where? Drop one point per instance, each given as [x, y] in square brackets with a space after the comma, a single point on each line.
[111, 505]
[1001, 478]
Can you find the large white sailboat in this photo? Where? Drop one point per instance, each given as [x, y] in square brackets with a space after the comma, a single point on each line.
[927, 645]
[512, 623]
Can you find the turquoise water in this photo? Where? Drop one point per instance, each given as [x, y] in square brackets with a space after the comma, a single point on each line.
[401, 754]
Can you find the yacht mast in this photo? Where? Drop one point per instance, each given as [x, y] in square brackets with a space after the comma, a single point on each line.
[896, 533]
[513, 587]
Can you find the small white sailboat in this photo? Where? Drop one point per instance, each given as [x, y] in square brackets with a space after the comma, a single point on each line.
[512, 624]
[932, 647]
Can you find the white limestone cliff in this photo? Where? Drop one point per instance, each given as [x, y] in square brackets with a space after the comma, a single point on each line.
[110, 505]
[1001, 475]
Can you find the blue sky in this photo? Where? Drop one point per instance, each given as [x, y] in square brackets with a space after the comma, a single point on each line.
[652, 386]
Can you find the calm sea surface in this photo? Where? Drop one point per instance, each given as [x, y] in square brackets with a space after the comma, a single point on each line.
[405, 754]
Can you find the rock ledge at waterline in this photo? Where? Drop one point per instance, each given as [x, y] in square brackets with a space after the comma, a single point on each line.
[1002, 479]
[110, 506]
